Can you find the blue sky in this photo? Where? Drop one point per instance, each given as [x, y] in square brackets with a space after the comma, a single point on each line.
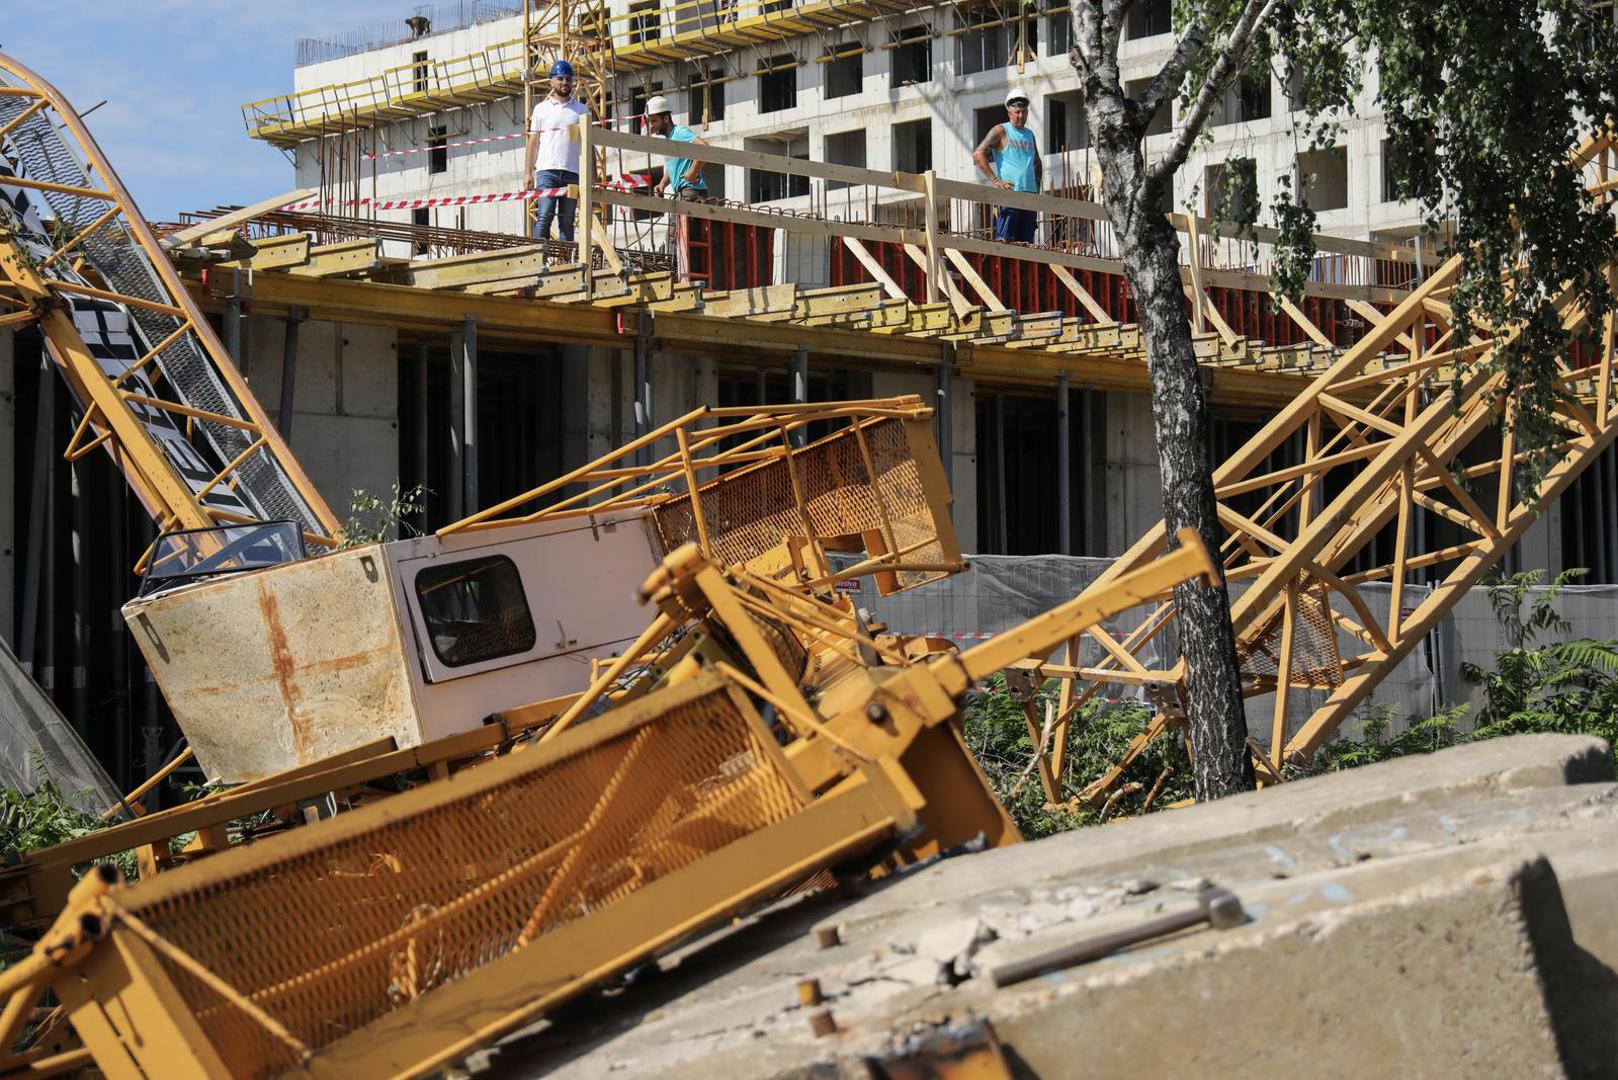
[175, 74]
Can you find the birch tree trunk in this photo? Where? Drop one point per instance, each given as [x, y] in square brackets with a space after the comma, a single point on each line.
[1150, 250]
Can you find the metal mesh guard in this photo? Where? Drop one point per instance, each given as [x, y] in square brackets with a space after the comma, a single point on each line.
[1316, 661]
[431, 885]
[750, 511]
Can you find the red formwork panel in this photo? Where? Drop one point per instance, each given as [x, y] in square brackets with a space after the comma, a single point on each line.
[742, 256]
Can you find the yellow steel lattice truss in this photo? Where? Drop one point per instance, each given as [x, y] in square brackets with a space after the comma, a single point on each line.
[155, 388]
[1401, 426]
[736, 483]
[398, 937]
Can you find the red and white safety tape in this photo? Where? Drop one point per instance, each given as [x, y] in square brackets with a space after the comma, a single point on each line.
[623, 182]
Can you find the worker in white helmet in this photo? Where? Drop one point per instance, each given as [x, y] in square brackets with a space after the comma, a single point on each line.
[1009, 157]
[682, 176]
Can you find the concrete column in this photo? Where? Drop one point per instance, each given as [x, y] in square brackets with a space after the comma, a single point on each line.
[469, 421]
[347, 406]
[1134, 484]
[231, 325]
[421, 464]
[962, 461]
[800, 389]
[8, 485]
[289, 372]
[456, 495]
[1064, 471]
[576, 417]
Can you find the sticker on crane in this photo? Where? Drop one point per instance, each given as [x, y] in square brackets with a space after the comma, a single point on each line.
[116, 342]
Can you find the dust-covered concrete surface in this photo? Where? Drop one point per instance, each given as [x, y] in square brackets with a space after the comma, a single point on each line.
[1439, 915]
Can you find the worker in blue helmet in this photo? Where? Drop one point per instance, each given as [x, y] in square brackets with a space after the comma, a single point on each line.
[553, 154]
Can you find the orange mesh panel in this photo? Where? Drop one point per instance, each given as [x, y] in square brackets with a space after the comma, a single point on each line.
[1316, 661]
[750, 511]
[410, 897]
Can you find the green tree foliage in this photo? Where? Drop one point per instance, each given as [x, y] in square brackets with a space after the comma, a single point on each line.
[44, 818]
[997, 733]
[370, 517]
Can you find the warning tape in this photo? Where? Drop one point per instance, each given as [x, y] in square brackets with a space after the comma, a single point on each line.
[623, 182]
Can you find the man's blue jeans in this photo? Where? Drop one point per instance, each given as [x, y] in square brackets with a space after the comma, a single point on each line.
[558, 207]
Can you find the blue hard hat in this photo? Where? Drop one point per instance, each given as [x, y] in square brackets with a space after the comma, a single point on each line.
[561, 70]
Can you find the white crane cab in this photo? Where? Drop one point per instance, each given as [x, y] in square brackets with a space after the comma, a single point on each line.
[271, 660]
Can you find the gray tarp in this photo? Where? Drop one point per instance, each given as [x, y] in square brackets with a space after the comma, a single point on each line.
[1000, 591]
[37, 742]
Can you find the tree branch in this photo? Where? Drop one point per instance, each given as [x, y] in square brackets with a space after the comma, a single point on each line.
[1229, 61]
[1166, 83]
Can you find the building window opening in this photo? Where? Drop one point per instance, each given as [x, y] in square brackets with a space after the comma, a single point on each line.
[418, 71]
[778, 85]
[845, 148]
[1323, 178]
[1149, 19]
[437, 150]
[707, 96]
[913, 57]
[845, 70]
[981, 44]
[913, 146]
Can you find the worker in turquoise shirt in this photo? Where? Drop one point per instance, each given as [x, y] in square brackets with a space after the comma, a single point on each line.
[1009, 157]
[682, 176]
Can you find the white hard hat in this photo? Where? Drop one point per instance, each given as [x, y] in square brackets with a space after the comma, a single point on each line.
[657, 104]
[1016, 93]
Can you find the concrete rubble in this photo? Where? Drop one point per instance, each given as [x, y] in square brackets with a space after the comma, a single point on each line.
[1441, 914]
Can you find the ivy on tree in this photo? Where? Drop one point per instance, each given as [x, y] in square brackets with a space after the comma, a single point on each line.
[1483, 101]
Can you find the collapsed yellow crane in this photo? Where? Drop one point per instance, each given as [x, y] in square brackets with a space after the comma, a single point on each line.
[401, 936]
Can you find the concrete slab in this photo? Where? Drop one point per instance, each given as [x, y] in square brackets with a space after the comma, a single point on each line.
[1430, 912]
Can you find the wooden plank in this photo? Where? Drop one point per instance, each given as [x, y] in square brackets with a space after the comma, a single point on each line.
[334, 260]
[1071, 283]
[874, 268]
[191, 234]
[752, 302]
[970, 276]
[945, 284]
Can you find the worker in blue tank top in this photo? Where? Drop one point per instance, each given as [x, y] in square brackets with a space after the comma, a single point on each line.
[1009, 157]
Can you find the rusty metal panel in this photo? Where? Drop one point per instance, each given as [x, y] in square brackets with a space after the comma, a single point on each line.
[281, 667]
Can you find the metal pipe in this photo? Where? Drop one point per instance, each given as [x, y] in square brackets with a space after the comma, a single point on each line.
[118, 558]
[946, 415]
[419, 411]
[1064, 470]
[800, 389]
[46, 676]
[643, 386]
[469, 402]
[33, 569]
[1609, 532]
[457, 415]
[80, 522]
[289, 372]
[1087, 471]
[1002, 543]
[233, 317]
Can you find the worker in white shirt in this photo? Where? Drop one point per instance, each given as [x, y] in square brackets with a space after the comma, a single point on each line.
[553, 153]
